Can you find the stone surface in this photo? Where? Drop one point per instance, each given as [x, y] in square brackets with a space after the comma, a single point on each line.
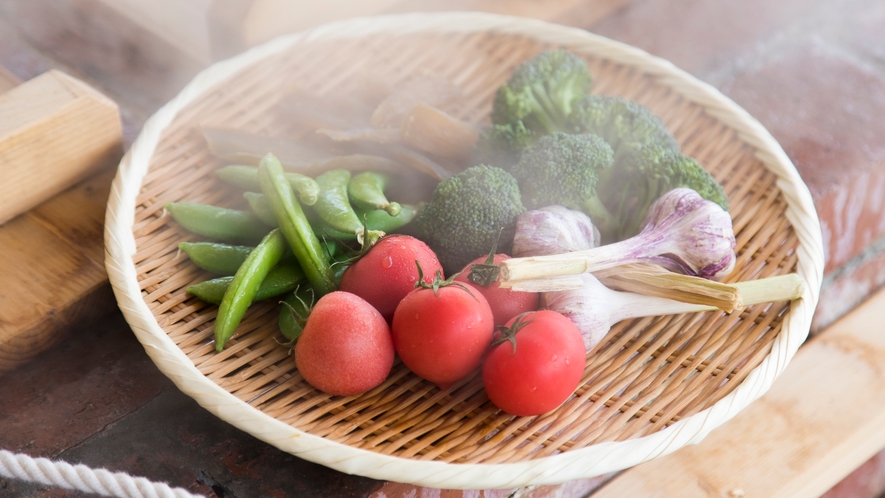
[707, 37]
[836, 143]
[818, 85]
[97, 399]
[851, 284]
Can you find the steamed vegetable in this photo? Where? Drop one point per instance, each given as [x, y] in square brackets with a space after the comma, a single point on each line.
[467, 212]
[564, 169]
[246, 177]
[644, 174]
[534, 364]
[281, 279]
[482, 275]
[683, 232]
[366, 191]
[310, 254]
[345, 348]
[553, 230]
[557, 230]
[622, 123]
[441, 330]
[245, 284]
[542, 91]
[387, 272]
[218, 222]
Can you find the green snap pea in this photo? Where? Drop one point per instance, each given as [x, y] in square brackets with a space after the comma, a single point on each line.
[223, 259]
[244, 286]
[246, 177]
[218, 222]
[261, 208]
[377, 220]
[366, 191]
[294, 225]
[333, 205]
[282, 278]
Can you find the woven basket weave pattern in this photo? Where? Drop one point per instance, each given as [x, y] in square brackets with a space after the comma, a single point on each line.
[647, 373]
[652, 386]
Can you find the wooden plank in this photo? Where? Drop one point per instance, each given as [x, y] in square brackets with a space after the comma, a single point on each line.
[52, 257]
[52, 262]
[8, 81]
[821, 419]
[55, 131]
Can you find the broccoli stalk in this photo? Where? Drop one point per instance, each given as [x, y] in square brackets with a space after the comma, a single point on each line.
[466, 214]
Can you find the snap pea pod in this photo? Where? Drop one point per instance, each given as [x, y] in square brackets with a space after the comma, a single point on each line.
[246, 177]
[294, 225]
[223, 259]
[280, 279]
[333, 205]
[218, 222]
[261, 208]
[366, 191]
[239, 295]
[379, 220]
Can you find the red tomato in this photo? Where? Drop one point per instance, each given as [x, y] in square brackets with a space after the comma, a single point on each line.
[346, 347]
[542, 371]
[505, 303]
[441, 336]
[385, 274]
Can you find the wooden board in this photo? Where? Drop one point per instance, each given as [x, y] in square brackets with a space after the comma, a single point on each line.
[7, 80]
[52, 257]
[822, 418]
[55, 131]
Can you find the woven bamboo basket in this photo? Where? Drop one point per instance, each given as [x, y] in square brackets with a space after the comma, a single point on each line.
[654, 385]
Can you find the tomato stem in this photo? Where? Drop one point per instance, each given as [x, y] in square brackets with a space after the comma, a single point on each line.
[508, 334]
[438, 281]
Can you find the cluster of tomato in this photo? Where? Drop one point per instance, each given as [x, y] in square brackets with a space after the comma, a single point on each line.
[394, 301]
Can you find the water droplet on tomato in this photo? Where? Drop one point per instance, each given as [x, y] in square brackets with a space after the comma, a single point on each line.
[387, 262]
[553, 358]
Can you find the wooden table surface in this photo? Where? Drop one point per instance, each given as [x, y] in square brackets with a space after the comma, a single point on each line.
[812, 71]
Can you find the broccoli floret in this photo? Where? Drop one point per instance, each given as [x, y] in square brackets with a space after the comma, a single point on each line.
[645, 173]
[542, 91]
[622, 123]
[467, 212]
[563, 169]
[501, 145]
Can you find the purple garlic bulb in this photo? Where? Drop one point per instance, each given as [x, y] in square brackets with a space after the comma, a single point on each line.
[693, 236]
[553, 230]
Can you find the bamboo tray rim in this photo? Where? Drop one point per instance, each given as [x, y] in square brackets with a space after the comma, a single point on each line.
[581, 463]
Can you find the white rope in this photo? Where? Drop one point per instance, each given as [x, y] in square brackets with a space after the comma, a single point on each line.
[82, 478]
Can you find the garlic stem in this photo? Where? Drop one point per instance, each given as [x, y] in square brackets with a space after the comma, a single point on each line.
[764, 290]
